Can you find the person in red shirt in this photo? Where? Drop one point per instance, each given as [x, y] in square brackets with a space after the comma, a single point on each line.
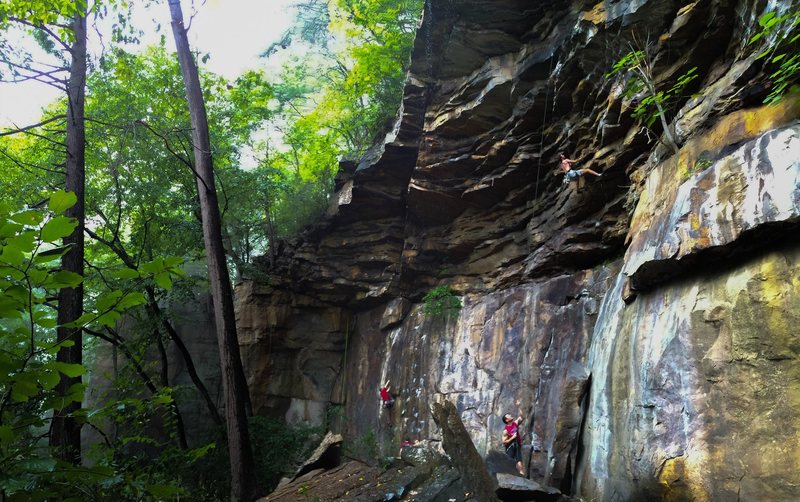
[386, 396]
[512, 442]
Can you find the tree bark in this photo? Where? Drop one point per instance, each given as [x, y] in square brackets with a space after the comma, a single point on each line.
[234, 382]
[65, 431]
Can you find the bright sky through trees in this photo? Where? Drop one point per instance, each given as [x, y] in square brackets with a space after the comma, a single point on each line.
[233, 32]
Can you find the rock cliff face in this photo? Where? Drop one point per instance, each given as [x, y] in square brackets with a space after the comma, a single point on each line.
[645, 321]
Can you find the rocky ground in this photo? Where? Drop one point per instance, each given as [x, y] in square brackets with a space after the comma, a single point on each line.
[421, 473]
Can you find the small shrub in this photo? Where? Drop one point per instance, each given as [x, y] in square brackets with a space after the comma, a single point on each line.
[279, 448]
[363, 448]
[441, 299]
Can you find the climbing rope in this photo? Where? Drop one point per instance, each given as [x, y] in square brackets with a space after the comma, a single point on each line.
[544, 121]
[344, 363]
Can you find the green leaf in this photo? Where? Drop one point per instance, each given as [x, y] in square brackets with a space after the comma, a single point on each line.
[125, 273]
[163, 280]
[10, 308]
[38, 277]
[163, 491]
[23, 389]
[65, 279]
[30, 217]
[80, 322]
[58, 228]
[763, 20]
[49, 379]
[24, 242]
[17, 293]
[173, 261]
[152, 267]
[131, 300]
[6, 434]
[60, 201]
[9, 229]
[108, 300]
[11, 256]
[70, 370]
[47, 323]
[109, 319]
[50, 254]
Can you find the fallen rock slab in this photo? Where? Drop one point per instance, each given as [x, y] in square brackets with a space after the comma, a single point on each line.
[326, 456]
[516, 488]
[457, 442]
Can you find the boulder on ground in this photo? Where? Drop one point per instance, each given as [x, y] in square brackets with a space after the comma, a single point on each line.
[419, 454]
[515, 488]
[497, 461]
[458, 445]
[327, 455]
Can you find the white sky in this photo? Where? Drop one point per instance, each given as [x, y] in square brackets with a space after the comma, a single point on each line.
[233, 32]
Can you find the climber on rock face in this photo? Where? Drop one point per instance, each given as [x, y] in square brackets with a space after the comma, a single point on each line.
[512, 442]
[386, 397]
[572, 174]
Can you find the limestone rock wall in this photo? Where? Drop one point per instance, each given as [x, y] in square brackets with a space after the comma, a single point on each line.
[644, 320]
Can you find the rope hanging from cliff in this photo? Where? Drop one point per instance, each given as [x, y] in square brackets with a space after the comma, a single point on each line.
[344, 363]
[544, 121]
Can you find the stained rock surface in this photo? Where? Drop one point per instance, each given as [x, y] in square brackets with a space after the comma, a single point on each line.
[644, 320]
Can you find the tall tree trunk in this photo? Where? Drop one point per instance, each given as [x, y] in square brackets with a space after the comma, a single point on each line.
[65, 431]
[234, 383]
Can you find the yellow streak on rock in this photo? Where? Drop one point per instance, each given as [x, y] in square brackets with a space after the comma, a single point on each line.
[740, 126]
[598, 14]
[682, 480]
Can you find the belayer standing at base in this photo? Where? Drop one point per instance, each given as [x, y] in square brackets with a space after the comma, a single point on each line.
[512, 442]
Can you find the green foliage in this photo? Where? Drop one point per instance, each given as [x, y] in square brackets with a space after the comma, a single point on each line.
[30, 247]
[335, 104]
[364, 448]
[636, 66]
[779, 35]
[441, 299]
[145, 464]
[280, 448]
[29, 253]
[143, 227]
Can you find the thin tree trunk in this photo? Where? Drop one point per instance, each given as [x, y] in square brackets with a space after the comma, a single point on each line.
[65, 431]
[117, 343]
[234, 382]
[173, 407]
[155, 313]
[270, 233]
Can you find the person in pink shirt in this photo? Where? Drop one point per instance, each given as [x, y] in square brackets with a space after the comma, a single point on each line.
[512, 442]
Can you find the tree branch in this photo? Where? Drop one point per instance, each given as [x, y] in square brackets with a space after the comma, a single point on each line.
[168, 145]
[32, 126]
[45, 29]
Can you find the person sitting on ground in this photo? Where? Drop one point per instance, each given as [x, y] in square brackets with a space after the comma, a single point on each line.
[572, 174]
[512, 442]
[386, 397]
